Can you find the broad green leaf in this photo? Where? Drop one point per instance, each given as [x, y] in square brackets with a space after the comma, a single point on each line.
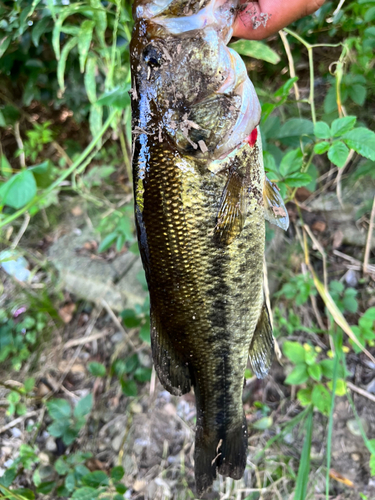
[43, 173]
[321, 399]
[100, 19]
[70, 481]
[291, 162]
[5, 168]
[61, 467]
[84, 41]
[95, 479]
[59, 409]
[142, 374]
[304, 396]
[362, 140]
[62, 61]
[322, 130]
[298, 179]
[46, 487]
[107, 242]
[58, 428]
[96, 119]
[117, 473]
[284, 90]
[296, 127]
[358, 93]
[298, 376]
[89, 78]
[256, 49]
[69, 436]
[118, 98]
[342, 125]
[84, 406]
[263, 423]
[322, 147]
[130, 318]
[129, 388]
[8, 477]
[97, 369]
[338, 153]
[17, 191]
[315, 372]
[85, 493]
[294, 351]
[340, 387]
[372, 465]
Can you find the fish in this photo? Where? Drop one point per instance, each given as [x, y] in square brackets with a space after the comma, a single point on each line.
[201, 199]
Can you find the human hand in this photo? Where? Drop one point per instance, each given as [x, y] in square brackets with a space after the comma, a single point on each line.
[271, 16]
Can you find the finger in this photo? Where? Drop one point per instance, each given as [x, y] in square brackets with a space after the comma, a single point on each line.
[271, 16]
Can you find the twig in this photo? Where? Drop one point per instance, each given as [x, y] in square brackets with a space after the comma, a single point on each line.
[18, 420]
[369, 237]
[339, 176]
[62, 152]
[20, 233]
[338, 8]
[360, 391]
[292, 70]
[20, 145]
[85, 340]
[117, 322]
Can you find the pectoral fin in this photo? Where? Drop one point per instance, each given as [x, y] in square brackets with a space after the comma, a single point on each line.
[231, 215]
[172, 371]
[274, 207]
[261, 350]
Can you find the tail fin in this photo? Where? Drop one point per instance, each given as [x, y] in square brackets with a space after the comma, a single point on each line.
[223, 450]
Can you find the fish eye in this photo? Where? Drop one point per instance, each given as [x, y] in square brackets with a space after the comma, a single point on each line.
[152, 56]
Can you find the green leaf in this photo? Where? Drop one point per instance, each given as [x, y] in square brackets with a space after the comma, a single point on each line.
[296, 127]
[58, 428]
[130, 318]
[322, 130]
[321, 399]
[70, 481]
[61, 467]
[5, 168]
[4, 44]
[298, 376]
[62, 61]
[84, 406]
[284, 90]
[8, 477]
[107, 242]
[129, 388]
[338, 153]
[85, 493]
[340, 387]
[291, 162]
[371, 446]
[142, 374]
[322, 147]
[89, 78]
[304, 466]
[46, 487]
[95, 479]
[43, 173]
[298, 179]
[84, 41]
[362, 140]
[342, 125]
[118, 98]
[256, 50]
[263, 423]
[294, 351]
[358, 93]
[96, 119]
[39, 28]
[315, 372]
[304, 396]
[117, 473]
[372, 464]
[97, 369]
[17, 191]
[121, 488]
[59, 409]
[69, 436]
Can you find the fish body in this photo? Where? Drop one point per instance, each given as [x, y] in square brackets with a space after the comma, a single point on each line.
[200, 194]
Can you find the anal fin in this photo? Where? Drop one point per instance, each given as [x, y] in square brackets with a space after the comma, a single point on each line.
[261, 350]
[173, 372]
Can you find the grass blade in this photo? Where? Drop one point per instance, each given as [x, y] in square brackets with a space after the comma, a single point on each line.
[304, 466]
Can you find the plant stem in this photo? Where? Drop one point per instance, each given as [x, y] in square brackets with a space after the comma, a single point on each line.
[64, 175]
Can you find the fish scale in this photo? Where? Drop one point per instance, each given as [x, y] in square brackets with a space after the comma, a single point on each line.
[200, 217]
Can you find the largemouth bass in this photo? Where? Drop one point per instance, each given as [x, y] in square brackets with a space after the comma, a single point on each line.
[201, 198]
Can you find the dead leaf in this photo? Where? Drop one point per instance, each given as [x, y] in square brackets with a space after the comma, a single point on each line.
[66, 312]
[319, 226]
[340, 478]
[139, 485]
[75, 368]
[338, 237]
[76, 211]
